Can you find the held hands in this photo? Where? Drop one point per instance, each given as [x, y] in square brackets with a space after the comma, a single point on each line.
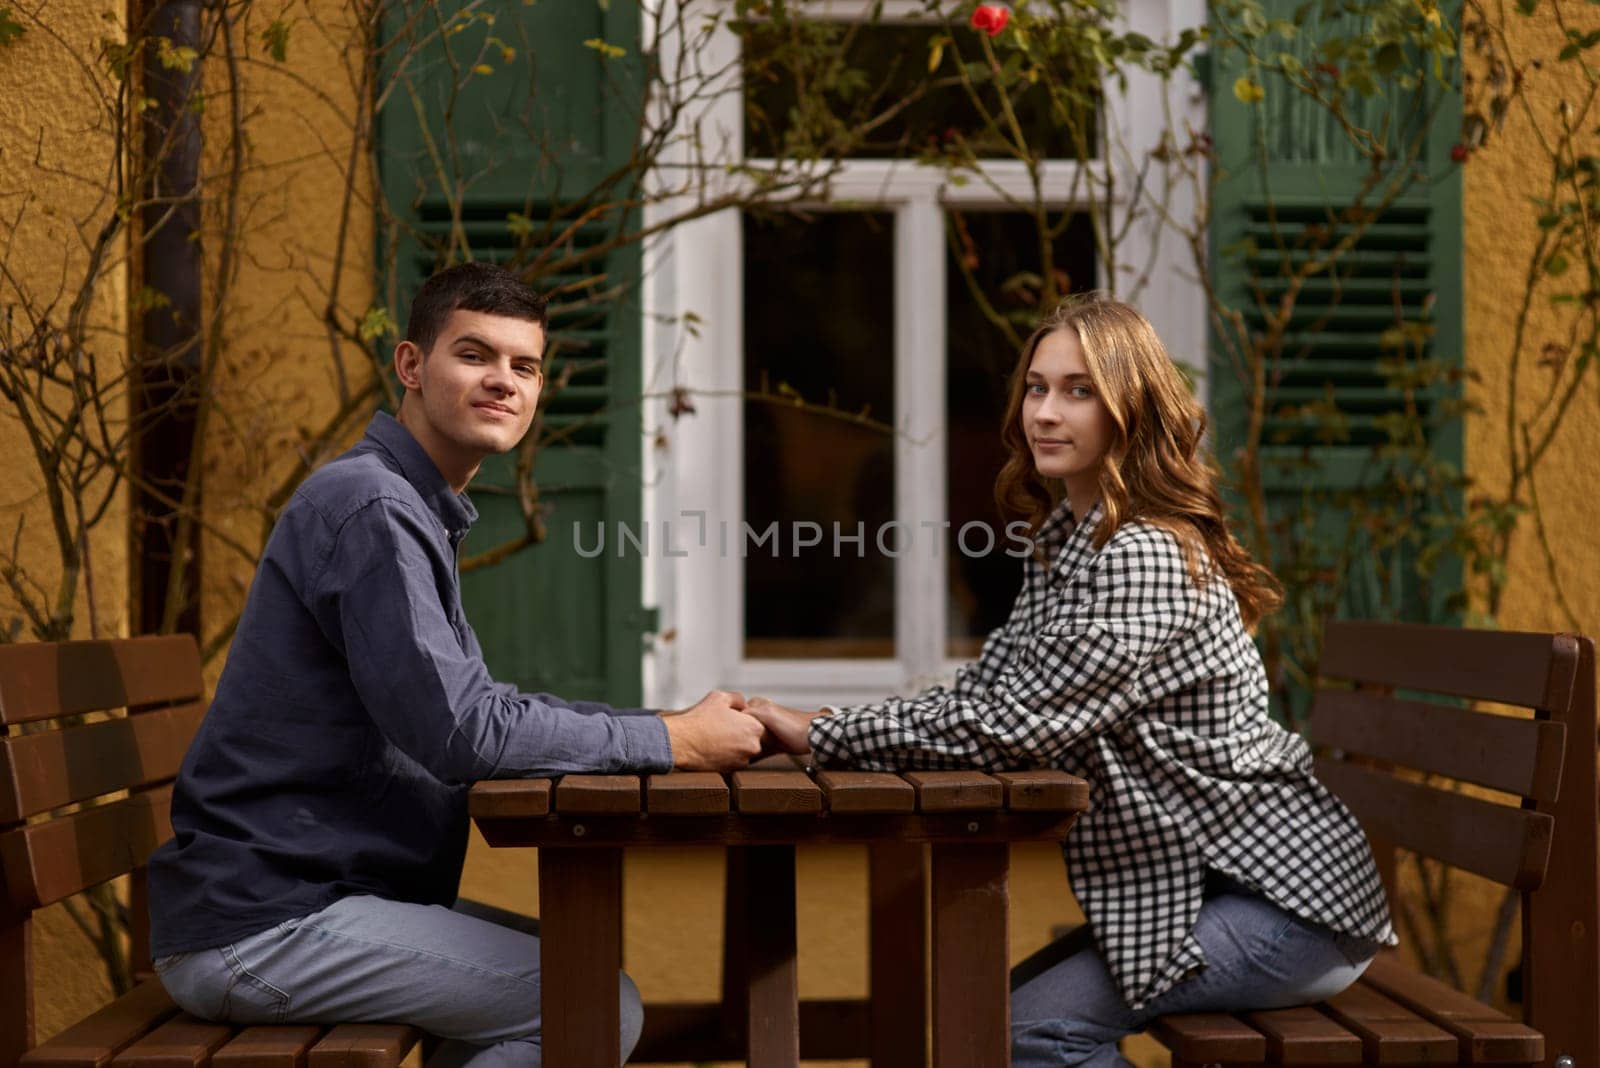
[787, 728]
[722, 732]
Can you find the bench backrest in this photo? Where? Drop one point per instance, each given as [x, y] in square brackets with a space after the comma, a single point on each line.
[114, 770]
[1539, 836]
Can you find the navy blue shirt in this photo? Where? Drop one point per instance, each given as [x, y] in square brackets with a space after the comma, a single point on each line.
[353, 713]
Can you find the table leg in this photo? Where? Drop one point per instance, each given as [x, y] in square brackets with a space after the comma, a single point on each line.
[971, 995]
[769, 942]
[898, 959]
[580, 905]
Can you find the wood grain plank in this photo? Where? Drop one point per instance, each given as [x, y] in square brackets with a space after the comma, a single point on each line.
[1517, 756]
[1210, 1038]
[773, 1022]
[1303, 1035]
[1486, 1036]
[897, 965]
[1509, 845]
[956, 791]
[44, 680]
[1044, 790]
[1389, 1032]
[686, 792]
[49, 769]
[788, 793]
[284, 1046]
[45, 862]
[509, 798]
[866, 791]
[580, 902]
[94, 1040]
[365, 1045]
[971, 1000]
[597, 795]
[181, 1042]
[1531, 670]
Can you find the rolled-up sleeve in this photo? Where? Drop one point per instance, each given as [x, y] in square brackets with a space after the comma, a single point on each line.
[1088, 667]
[426, 685]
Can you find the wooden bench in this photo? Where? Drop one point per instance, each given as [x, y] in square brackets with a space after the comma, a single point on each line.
[1372, 743]
[54, 754]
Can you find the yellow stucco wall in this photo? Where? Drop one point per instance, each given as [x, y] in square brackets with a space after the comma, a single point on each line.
[56, 150]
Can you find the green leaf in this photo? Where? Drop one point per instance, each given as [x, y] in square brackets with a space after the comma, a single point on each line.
[1248, 91]
[377, 323]
[276, 39]
[1527, 6]
[1556, 265]
[175, 57]
[519, 224]
[10, 28]
[610, 51]
[1388, 59]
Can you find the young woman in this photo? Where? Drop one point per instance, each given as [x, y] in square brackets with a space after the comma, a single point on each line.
[1216, 873]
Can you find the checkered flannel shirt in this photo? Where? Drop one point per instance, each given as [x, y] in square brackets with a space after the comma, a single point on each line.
[1114, 666]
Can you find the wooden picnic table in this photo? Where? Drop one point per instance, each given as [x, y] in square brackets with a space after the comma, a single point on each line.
[967, 820]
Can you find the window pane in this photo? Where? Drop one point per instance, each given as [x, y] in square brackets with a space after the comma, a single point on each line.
[1001, 250]
[858, 75]
[818, 325]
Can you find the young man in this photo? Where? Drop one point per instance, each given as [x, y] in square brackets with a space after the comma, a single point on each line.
[320, 816]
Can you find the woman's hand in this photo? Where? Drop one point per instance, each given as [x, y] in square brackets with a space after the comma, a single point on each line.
[788, 727]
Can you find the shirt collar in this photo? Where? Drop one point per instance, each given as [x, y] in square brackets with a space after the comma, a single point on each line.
[454, 509]
[1064, 539]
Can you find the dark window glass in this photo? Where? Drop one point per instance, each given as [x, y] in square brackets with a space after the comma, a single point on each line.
[877, 76]
[1001, 252]
[818, 327]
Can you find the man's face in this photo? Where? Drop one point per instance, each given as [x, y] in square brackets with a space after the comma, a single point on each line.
[478, 387]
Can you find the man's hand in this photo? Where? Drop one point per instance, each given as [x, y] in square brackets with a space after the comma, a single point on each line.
[789, 727]
[714, 735]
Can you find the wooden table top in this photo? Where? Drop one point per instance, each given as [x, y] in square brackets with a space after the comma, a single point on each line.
[762, 805]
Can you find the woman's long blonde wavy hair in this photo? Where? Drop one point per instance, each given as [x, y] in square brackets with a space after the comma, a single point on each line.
[1155, 470]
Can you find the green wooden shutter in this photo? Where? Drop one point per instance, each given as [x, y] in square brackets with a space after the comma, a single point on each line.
[1407, 265]
[544, 129]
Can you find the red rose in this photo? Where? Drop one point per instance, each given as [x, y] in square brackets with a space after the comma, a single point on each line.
[1459, 153]
[990, 18]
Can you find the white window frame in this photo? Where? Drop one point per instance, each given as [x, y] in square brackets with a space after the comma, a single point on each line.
[695, 464]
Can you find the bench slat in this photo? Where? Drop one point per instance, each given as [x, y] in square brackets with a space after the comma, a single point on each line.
[1517, 756]
[94, 1040]
[687, 793]
[1040, 791]
[956, 791]
[364, 1046]
[284, 1046]
[1210, 1037]
[181, 1042]
[866, 791]
[509, 798]
[43, 680]
[1531, 670]
[1303, 1035]
[776, 793]
[45, 862]
[591, 795]
[1487, 1036]
[48, 769]
[1506, 844]
[1390, 1033]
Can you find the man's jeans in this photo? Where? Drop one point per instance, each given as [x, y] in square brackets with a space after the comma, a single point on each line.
[1065, 1010]
[367, 959]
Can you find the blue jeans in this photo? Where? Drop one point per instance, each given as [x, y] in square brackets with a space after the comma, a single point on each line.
[365, 959]
[1066, 1011]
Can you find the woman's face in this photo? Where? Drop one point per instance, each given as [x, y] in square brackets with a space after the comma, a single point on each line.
[1068, 427]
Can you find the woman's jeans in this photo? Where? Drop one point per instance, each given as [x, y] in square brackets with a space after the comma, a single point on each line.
[1066, 1011]
[363, 959]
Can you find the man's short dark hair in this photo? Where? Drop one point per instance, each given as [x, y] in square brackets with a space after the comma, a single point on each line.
[477, 287]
